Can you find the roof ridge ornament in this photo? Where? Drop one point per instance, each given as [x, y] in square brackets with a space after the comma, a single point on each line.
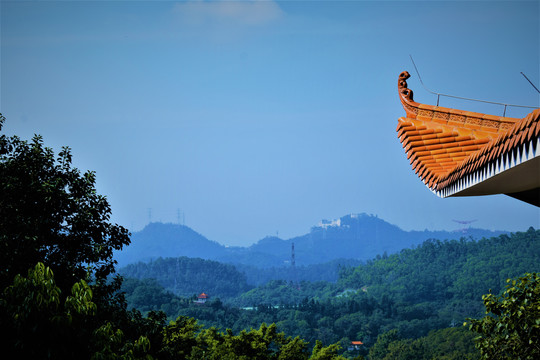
[403, 87]
[406, 95]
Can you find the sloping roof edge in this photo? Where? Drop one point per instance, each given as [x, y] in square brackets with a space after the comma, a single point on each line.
[518, 145]
[510, 144]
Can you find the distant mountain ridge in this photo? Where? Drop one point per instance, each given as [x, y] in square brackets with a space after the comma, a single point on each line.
[355, 236]
[168, 240]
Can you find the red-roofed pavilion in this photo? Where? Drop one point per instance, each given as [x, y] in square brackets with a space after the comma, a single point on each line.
[202, 298]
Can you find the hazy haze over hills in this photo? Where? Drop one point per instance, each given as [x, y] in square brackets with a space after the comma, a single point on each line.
[355, 236]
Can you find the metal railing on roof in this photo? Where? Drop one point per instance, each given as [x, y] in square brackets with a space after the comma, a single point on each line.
[470, 99]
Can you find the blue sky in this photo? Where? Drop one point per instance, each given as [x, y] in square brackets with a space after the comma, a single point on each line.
[257, 118]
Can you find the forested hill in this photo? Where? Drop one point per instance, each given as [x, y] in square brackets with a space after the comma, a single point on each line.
[442, 270]
[451, 271]
[188, 276]
[435, 285]
[359, 237]
[456, 272]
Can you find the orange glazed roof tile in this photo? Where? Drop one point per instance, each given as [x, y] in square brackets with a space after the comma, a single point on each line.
[462, 153]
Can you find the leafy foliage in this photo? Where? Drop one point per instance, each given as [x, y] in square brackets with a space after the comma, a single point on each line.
[446, 344]
[50, 212]
[109, 343]
[34, 316]
[40, 328]
[511, 328]
[262, 344]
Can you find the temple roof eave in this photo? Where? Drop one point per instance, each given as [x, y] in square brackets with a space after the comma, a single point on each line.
[462, 153]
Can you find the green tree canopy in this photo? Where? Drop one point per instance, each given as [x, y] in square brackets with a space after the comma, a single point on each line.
[511, 328]
[50, 212]
[34, 317]
[37, 324]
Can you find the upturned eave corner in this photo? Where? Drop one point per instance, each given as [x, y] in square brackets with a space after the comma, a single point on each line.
[464, 153]
[406, 96]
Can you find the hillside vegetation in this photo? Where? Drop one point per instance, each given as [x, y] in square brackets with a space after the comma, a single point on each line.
[443, 270]
[433, 286]
[186, 276]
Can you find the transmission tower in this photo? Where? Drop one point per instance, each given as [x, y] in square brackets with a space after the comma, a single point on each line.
[293, 269]
[293, 261]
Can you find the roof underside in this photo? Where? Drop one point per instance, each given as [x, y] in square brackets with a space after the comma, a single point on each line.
[459, 153]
